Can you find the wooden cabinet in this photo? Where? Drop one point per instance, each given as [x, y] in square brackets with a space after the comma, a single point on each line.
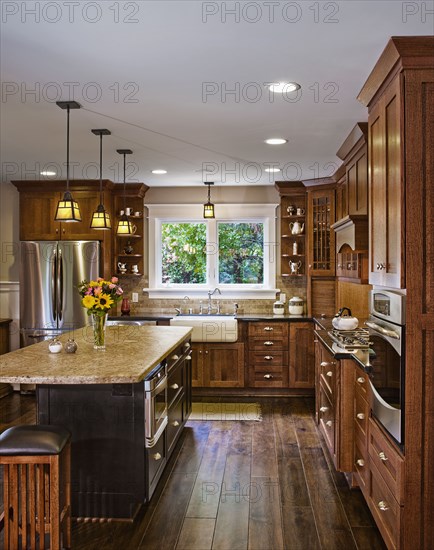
[362, 411]
[352, 265]
[5, 389]
[321, 239]
[386, 485]
[218, 365]
[386, 261]
[293, 237]
[268, 344]
[129, 249]
[301, 355]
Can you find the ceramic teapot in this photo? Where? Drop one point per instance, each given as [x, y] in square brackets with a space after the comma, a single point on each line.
[294, 266]
[296, 228]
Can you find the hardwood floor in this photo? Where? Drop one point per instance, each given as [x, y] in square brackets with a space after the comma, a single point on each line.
[238, 485]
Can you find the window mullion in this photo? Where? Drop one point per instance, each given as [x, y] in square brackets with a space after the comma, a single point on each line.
[212, 253]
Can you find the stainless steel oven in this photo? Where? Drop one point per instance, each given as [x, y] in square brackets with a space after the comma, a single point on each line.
[155, 385]
[387, 375]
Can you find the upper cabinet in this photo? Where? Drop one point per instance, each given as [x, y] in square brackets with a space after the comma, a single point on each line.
[321, 239]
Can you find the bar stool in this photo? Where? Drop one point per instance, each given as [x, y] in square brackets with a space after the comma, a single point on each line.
[36, 487]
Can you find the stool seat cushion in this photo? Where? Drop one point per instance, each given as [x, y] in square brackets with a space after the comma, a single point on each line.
[33, 440]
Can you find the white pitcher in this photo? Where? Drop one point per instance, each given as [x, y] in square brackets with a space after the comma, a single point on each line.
[294, 266]
[296, 228]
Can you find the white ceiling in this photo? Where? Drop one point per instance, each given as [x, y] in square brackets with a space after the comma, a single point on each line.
[164, 60]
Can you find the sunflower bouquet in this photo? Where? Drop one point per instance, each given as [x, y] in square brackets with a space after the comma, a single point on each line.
[100, 295]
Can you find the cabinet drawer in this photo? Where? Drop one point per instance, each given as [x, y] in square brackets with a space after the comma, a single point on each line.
[361, 384]
[271, 330]
[279, 358]
[387, 460]
[361, 414]
[174, 425]
[385, 509]
[175, 384]
[156, 460]
[328, 373]
[268, 344]
[176, 354]
[361, 463]
[327, 419]
[267, 376]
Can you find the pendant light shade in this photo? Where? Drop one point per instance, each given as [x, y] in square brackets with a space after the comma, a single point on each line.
[208, 207]
[100, 218]
[67, 208]
[124, 225]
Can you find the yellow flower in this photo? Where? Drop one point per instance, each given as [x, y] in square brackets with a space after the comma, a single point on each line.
[103, 301]
[88, 301]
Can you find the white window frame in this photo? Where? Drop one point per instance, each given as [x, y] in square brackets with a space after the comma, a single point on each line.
[263, 213]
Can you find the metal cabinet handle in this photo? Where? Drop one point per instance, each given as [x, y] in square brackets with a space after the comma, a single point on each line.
[360, 380]
[323, 409]
[188, 358]
[175, 423]
[329, 423]
[268, 357]
[268, 328]
[206, 352]
[175, 357]
[268, 376]
[174, 386]
[360, 462]
[382, 456]
[325, 364]
[186, 345]
[383, 505]
[360, 416]
[268, 343]
[329, 373]
[157, 456]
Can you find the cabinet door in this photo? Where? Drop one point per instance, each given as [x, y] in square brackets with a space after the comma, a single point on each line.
[197, 353]
[301, 356]
[37, 211]
[321, 214]
[223, 365]
[386, 262]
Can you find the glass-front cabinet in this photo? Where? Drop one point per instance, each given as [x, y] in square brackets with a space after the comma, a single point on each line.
[321, 215]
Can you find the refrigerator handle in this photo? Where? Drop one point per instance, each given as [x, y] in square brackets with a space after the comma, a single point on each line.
[60, 286]
[54, 284]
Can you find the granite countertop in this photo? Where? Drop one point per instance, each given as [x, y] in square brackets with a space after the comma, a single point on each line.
[271, 317]
[143, 317]
[131, 353]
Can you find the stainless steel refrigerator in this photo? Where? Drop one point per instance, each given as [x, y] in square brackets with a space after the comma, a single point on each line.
[49, 275]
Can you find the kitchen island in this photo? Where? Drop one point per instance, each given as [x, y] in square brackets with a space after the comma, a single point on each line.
[100, 397]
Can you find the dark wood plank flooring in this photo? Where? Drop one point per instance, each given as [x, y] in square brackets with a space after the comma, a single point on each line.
[238, 485]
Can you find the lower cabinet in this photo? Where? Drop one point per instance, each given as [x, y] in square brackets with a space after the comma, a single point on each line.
[218, 365]
[301, 356]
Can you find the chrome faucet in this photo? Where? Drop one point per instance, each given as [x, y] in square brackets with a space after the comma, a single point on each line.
[210, 294]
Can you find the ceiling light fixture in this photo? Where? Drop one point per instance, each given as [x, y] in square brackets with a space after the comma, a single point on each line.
[67, 209]
[159, 172]
[284, 87]
[272, 169]
[100, 218]
[124, 225]
[48, 173]
[276, 141]
[208, 207]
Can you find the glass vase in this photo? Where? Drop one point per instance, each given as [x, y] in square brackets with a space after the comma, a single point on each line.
[99, 324]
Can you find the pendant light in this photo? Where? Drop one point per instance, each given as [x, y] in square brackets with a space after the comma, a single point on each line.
[100, 218]
[124, 224]
[67, 209]
[208, 207]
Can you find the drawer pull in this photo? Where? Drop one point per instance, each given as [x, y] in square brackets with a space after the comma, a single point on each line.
[175, 423]
[360, 380]
[323, 409]
[268, 343]
[329, 373]
[175, 357]
[360, 462]
[382, 456]
[268, 329]
[268, 357]
[360, 416]
[325, 364]
[188, 358]
[174, 386]
[268, 376]
[329, 423]
[383, 505]
[157, 456]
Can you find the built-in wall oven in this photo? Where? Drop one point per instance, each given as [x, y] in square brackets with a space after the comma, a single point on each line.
[155, 385]
[387, 372]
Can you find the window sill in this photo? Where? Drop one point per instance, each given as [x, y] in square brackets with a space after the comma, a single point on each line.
[226, 294]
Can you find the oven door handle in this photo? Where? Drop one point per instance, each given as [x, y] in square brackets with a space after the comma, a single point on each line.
[382, 330]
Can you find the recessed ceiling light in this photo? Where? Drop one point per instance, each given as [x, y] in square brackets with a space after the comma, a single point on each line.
[48, 173]
[272, 169]
[276, 141]
[159, 171]
[284, 87]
